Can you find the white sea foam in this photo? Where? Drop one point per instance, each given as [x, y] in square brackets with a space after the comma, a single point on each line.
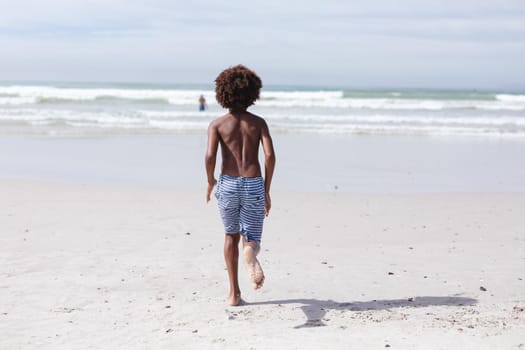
[16, 100]
[48, 94]
[393, 104]
[404, 130]
[401, 119]
[59, 110]
[16, 95]
[511, 98]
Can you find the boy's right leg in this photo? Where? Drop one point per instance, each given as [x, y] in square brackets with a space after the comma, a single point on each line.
[255, 272]
[231, 256]
[251, 222]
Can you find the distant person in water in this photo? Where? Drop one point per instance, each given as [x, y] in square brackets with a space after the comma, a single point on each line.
[242, 193]
[202, 103]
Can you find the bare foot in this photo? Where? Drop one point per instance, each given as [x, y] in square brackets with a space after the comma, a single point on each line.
[255, 272]
[234, 299]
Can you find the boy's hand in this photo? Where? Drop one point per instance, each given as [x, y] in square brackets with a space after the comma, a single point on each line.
[267, 205]
[210, 189]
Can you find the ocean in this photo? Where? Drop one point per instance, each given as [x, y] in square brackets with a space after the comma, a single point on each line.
[88, 109]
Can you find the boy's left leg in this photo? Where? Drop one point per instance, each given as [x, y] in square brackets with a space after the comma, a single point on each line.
[229, 206]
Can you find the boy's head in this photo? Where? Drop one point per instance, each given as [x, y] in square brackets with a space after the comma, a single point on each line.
[237, 87]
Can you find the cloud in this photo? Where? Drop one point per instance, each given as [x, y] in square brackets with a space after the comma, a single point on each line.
[450, 43]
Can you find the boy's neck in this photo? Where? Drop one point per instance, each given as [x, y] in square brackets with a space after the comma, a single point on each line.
[237, 110]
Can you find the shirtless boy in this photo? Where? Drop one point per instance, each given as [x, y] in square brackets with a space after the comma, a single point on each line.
[242, 193]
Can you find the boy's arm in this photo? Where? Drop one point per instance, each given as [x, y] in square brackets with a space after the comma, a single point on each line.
[269, 164]
[211, 158]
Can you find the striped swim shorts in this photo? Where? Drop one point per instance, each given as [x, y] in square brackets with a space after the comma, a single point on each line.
[241, 203]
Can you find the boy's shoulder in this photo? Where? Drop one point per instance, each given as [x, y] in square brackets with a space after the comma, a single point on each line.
[229, 123]
[226, 117]
[217, 121]
[260, 121]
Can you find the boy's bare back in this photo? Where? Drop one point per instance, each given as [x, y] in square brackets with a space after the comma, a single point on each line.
[239, 134]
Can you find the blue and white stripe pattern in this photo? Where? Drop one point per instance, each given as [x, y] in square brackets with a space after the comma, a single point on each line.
[241, 203]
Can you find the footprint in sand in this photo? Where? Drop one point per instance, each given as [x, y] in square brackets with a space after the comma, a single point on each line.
[255, 272]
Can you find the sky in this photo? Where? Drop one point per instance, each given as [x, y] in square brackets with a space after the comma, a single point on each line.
[475, 44]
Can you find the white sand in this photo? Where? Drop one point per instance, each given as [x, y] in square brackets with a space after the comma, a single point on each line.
[137, 268]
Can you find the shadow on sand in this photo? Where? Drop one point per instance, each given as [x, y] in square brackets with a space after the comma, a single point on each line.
[315, 310]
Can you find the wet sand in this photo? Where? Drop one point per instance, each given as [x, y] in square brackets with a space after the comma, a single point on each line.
[305, 162]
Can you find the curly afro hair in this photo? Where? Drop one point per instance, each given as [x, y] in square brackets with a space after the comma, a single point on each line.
[237, 87]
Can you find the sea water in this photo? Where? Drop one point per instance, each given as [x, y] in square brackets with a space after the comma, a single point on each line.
[84, 109]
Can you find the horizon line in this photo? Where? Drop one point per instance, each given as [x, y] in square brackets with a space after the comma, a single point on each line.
[275, 85]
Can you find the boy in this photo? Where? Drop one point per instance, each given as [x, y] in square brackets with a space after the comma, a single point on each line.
[242, 194]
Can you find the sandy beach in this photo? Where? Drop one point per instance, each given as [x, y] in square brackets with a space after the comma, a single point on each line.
[135, 267]
[397, 134]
